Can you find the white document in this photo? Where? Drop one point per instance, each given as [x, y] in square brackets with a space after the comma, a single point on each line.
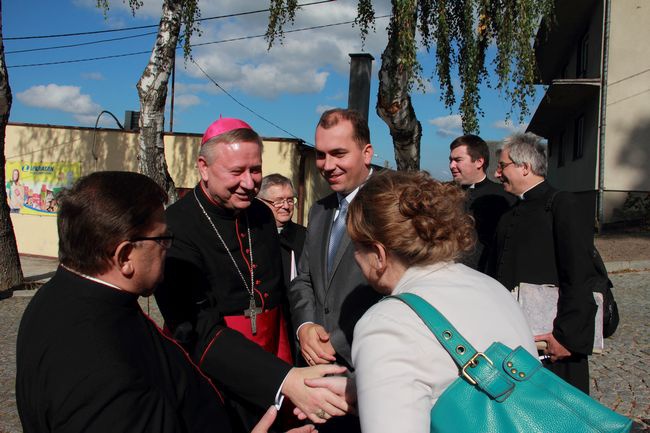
[539, 303]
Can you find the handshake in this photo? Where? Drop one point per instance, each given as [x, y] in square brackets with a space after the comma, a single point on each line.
[319, 393]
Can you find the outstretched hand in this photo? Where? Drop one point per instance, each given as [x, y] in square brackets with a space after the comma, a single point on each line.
[266, 422]
[317, 404]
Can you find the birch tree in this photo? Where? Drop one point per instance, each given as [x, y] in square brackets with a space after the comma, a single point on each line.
[457, 34]
[152, 87]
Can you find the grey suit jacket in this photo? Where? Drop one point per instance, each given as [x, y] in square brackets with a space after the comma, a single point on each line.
[336, 302]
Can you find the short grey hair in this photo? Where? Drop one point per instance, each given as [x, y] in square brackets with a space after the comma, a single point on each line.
[272, 180]
[207, 149]
[527, 148]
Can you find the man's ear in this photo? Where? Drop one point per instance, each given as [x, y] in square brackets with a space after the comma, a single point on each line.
[123, 259]
[367, 153]
[202, 165]
[526, 168]
[480, 163]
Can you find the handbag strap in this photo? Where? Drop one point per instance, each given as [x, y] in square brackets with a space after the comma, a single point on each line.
[475, 367]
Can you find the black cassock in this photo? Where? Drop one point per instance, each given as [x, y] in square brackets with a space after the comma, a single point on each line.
[202, 285]
[538, 245]
[89, 360]
[292, 238]
[486, 202]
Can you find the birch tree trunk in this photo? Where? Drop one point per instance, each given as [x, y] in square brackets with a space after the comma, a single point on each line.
[152, 90]
[393, 99]
[11, 275]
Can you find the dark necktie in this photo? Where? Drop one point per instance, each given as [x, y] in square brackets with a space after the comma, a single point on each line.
[338, 228]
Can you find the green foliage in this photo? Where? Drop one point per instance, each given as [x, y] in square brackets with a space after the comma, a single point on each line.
[458, 33]
[190, 18]
[281, 13]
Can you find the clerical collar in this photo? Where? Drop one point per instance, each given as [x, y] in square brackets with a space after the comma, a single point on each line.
[521, 196]
[96, 280]
[473, 186]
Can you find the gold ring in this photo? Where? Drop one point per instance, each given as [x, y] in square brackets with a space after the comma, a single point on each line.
[321, 414]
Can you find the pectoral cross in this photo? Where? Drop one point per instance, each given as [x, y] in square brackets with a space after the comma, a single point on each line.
[251, 312]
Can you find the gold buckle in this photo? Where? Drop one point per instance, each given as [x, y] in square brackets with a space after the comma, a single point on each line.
[472, 363]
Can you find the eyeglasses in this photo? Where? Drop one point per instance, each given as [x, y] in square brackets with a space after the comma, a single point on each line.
[164, 241]
[502, 165]
[279, 203]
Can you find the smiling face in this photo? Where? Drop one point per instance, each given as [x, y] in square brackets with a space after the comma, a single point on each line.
[232, 173]
[343, 163]
[510, 175]
[284, 194]
[463, 169]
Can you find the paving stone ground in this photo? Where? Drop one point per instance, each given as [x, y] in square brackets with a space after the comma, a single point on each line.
[619, 375]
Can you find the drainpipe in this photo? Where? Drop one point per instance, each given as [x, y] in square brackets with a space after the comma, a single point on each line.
[604, 60]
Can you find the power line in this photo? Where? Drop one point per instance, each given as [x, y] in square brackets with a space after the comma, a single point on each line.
[244, 106]
[178, 48]
[90, 59]
[56, 47]
[95, 32]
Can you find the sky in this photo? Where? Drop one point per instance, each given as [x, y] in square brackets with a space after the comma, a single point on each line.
[289, 85]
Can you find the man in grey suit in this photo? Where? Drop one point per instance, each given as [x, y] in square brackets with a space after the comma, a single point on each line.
[330, 294]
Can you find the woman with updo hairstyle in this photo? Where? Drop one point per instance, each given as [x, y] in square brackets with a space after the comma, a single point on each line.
[408, 229]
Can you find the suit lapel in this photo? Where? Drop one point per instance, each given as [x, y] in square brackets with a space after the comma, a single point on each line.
[330, 206]
[343, 245]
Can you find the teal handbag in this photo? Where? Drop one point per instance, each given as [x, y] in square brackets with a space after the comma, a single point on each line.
[504, 390]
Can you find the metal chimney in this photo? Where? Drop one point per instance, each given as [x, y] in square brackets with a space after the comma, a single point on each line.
[359, 92]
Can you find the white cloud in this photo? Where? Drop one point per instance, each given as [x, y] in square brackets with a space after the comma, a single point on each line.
[302, 63]
[95, 76]
[448, 126]
[185, 101]
[62, 98]
[320, 109]
[509, 126]
[90, 119]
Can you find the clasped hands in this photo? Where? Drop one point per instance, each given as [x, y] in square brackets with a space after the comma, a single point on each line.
[316, 396]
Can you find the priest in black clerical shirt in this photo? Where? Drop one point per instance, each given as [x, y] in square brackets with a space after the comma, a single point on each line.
[88, 358]
[469, 159]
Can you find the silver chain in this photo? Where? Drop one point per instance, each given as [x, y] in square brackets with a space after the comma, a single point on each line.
[250, 289]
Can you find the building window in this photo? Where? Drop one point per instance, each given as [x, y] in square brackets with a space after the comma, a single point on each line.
[582, 60]
[560, 150]
[578, 137]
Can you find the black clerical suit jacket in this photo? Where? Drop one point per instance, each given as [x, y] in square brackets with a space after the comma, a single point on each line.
[486, 202]
[541, 245]
[89, 360]
[292, 238]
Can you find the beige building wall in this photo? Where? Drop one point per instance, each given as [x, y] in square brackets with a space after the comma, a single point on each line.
[627, 129]
[112, 149]
[627, 133]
